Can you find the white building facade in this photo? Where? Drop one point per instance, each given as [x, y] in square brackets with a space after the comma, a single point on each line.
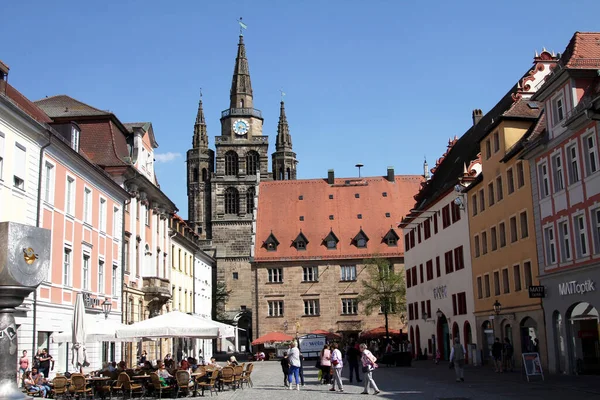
[204, 272]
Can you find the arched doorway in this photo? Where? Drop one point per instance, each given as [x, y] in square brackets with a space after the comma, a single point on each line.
[559, 342]
[583, 325]
[243, 320]
[529, 336]
[412, 340]
[468, 338]
[487, 339]
[443, 337]
[507, 331]
[418, 348]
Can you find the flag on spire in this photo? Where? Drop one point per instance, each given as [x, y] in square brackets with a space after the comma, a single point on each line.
[242, 26]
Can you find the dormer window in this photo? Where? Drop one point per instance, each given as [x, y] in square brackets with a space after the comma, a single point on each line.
[300, 242]
[360, 240]
[75, 138]
[391, 238]
[271, 243]
[331, 241]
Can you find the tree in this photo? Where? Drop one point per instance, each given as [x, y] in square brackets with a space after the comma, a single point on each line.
[383, 290]
[220, 298]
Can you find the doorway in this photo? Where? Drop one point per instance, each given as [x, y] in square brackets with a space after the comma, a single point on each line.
[487, 339]
[529, 336]
[443, 333]
[583, 334]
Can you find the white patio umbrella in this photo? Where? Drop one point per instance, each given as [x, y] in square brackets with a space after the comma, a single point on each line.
[225, 330]
[98, 329]
[172, 324]
[79, 356]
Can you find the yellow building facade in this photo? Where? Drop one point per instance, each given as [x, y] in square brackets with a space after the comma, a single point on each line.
[503, 240]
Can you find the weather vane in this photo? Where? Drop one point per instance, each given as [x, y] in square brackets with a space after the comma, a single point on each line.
[242, 26]
[200, 92]
[282, 94]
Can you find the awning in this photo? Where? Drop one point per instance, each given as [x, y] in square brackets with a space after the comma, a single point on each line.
[172, 324]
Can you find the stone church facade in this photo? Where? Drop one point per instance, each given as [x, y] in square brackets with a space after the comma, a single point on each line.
[222, 187]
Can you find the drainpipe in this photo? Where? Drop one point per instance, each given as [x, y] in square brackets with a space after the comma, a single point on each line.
[123, 255]
[37, 224]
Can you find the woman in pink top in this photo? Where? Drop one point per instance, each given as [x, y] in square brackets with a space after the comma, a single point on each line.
[326, 364]
[23, 366]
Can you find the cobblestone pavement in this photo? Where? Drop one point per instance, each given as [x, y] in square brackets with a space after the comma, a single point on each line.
[422, 381]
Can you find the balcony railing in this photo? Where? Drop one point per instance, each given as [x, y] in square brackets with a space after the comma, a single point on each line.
[250, 112]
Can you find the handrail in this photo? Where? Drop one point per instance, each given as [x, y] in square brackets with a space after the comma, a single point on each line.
[241, 111]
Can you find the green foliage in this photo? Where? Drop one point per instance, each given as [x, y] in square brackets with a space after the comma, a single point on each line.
[220, 298]
[384, 290]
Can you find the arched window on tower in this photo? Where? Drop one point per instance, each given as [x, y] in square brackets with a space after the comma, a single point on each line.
[195, 174]
[289, 174]
[250, 200]
[231, 163]
[232, 203]
[251, 162]
[281, 174]
[204, 175]
[241, 103]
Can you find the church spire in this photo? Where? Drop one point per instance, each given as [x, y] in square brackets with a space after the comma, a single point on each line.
[241, 87]
[284, 139]
[200, 132]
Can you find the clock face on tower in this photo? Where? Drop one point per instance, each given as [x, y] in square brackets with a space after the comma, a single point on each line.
[240, 127]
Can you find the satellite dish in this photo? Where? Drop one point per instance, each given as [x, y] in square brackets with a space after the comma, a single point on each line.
[458, 201]
[458, 188]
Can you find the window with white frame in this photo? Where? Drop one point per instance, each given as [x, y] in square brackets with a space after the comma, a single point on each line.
[70, 196]
[591, 156]
[558, 173]
[113, 290]
[87, 205]
[102, 212]
[275, 308]
[310, 274]
[348, 272]
[311, 307]
[2, 140]
[596, 228]
[116, 230]
[275, 275]
[100, 276]
[67, 261]
[580, 236]
[48, 183]
[558, 109]
[565, 241]
[20, 167]
[75, 139]
[543, 178]
[349, 306]
[550, 245]
[85, 281]
[573, 165]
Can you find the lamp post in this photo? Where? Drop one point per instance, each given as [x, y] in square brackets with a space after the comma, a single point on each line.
[106, 307]
[425, 316]
[402, 318]
[439, 313]
[24, 264]
[285, 326]
[497, 307]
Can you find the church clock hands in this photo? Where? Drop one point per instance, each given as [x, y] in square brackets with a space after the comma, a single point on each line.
[240, 127]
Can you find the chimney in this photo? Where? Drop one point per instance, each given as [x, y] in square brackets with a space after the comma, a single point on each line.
[390, 174]
[3, 77]
[330, 177]
[477, 115]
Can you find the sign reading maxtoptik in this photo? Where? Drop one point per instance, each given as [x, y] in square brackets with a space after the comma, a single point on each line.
[574, 287]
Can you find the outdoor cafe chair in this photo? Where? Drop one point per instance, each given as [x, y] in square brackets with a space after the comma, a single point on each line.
[125, 385]
[238, 371]
[183, 382]
[79, 386]
[158, 386]
[228, 377]
[59, 387]
[210, 384]
[246, 376]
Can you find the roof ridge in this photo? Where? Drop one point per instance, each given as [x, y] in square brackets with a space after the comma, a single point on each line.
[77, 101]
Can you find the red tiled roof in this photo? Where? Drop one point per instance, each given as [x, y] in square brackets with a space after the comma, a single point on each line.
[279, 212]
[26, 105]
[523, 108]
[583, 51]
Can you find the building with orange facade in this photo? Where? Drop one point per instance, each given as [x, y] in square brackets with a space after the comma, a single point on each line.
[311, 240]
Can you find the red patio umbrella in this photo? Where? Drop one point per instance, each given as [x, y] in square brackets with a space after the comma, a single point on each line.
[272, 337]
[327, 334]
[379, 332]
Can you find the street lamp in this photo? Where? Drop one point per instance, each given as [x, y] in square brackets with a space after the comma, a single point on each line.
[285, 325]
[439, 313]
[402, 318]
[106, 307]
[425, 316]
[497, 307]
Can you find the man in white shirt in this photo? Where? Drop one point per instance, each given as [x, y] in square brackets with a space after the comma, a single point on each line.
[457, 355]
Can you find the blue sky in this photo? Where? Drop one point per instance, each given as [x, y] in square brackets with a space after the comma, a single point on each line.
[380, 82]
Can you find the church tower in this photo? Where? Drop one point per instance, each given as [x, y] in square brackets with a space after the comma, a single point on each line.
[200, 167]
[284, 159]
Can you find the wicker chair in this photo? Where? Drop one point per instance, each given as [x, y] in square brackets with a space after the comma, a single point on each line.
[246, 376]
[79, 386]
[59, 387]
[158, 386]
[238, 371]
[125, 385]
[228, 377]
[210, 384]
[183, 383]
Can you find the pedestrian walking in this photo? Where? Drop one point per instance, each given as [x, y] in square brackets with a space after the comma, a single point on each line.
[508, 355]
[294, 360]
[368, 366]
[301, 367]
[285, 368]
[457, 357]
[352, 356]
[336, 365]
[326, 365]
[438, 356]
[497, 354]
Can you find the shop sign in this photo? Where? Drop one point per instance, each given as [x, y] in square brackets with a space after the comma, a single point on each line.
[440, 292]
[532, 364]
[537, 292]
[574, 287]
